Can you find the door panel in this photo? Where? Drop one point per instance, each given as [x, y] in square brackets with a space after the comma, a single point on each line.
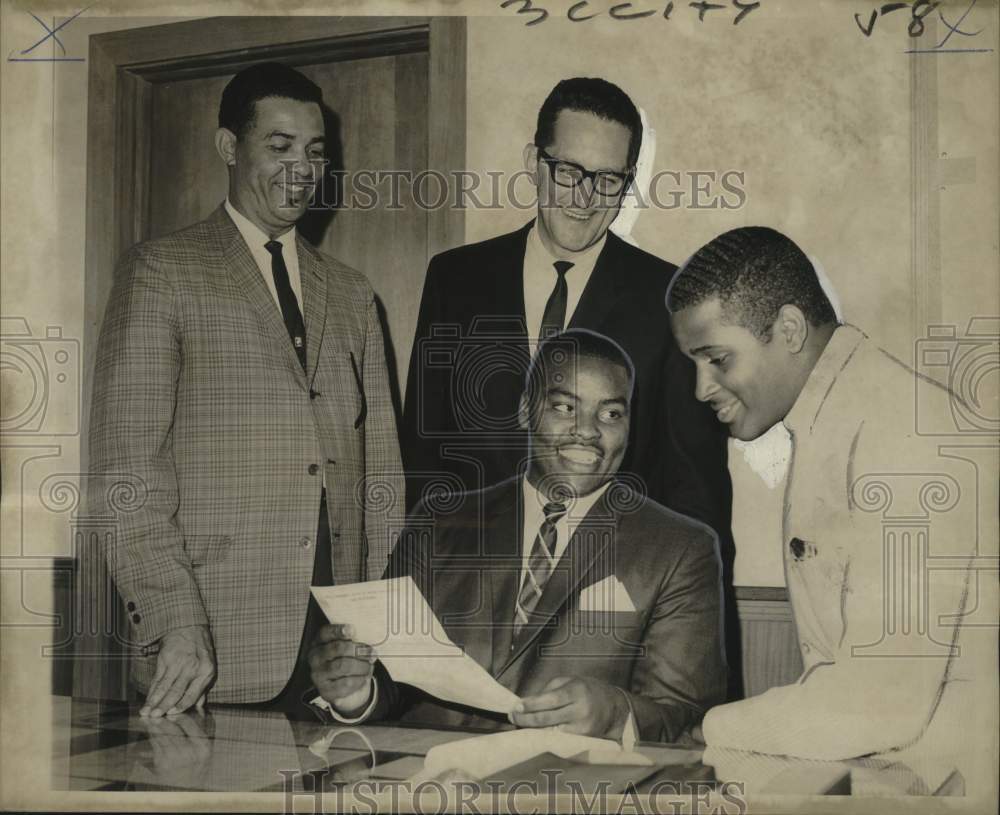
[187, 178]
[382, 107]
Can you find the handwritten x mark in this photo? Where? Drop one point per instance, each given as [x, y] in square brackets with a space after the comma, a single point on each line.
[51, 32]
[954, 29]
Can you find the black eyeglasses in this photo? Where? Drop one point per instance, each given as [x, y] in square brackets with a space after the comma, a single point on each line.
[568, 174]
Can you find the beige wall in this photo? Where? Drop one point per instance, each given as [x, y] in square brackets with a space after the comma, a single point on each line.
[817, 117]
[44, 189]
[43, 140]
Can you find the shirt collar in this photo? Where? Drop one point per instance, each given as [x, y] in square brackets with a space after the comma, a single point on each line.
[535, 501]
[253, 235]
[543, 257]
[840, 348]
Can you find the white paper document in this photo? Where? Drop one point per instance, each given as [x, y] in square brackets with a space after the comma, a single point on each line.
[480, 756]
[393, 617]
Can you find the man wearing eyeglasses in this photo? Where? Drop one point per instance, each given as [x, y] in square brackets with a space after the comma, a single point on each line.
[485, 306]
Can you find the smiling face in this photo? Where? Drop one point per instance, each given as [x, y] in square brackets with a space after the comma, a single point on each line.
[579, 426]
[276, 164]
[571, 219]
[751, 385]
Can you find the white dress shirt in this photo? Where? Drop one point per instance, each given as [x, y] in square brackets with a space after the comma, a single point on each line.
[534, 514]
[255, 241]
[322, 704]
[540, 278]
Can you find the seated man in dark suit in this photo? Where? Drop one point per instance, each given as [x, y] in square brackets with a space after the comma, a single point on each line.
[587, 600]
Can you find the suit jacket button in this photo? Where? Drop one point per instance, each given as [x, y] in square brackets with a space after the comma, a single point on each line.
[305, 543]
[313, 469]
[130, 606]
[136, 618]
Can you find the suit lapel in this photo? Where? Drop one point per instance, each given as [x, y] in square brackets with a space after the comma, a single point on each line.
[495, 316]
[607, 283]
[250, 282]
[502, 530]
[591, 541]
[314, 285]
[504, 282]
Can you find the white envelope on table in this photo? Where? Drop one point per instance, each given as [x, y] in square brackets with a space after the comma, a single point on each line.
[481, 756]
[608, 594]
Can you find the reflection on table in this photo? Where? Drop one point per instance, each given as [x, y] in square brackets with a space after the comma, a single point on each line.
[102, 745]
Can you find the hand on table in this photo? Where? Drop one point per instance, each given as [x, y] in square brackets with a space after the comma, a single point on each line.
[580, 705]
[185, 668]
[179, 745]
[341, 668]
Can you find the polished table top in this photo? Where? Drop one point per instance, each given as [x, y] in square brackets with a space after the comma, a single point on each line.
[101, 745]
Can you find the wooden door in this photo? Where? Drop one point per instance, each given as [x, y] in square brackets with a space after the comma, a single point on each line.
[395, 87]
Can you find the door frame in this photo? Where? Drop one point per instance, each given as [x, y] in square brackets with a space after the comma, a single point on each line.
[124, 66]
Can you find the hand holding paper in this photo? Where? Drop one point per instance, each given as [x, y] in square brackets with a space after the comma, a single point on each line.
[393, 618]
[581, 705]
[341, 668]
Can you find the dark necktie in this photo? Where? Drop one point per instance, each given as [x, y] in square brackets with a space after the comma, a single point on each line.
[290, 312]
[554, 318]
[541, 563]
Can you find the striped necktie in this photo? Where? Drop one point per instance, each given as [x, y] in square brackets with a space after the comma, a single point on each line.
[541, 564]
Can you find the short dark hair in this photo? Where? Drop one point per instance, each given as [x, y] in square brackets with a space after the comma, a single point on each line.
[261, 81]
[573, 343]
[754, 271]
[589, 95]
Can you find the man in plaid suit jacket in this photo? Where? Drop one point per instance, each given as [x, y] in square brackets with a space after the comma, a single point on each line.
[241, 379]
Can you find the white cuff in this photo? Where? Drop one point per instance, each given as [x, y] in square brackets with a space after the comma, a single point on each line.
[322, 704]
[630, 730]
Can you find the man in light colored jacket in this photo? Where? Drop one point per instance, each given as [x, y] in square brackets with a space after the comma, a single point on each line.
[880, 521]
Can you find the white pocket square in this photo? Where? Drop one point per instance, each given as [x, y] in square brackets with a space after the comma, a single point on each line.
[606, 595]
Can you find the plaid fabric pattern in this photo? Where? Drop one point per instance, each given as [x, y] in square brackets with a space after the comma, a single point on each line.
[200, 398]
[541, 563]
